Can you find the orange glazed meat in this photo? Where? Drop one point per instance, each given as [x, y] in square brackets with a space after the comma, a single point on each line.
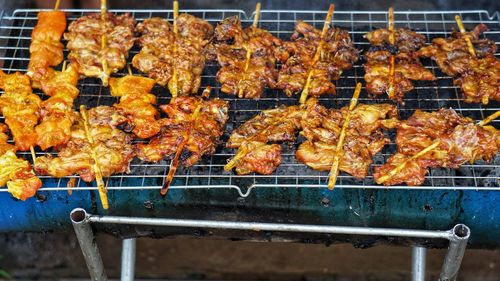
[46, 49]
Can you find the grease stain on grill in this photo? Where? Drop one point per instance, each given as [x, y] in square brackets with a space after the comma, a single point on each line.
[148, 205]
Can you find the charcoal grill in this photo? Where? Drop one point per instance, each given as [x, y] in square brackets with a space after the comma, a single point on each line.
[294, 194]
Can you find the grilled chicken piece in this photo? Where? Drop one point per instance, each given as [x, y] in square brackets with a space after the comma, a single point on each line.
[137, 104]
[112, 148]
[254, 153]
[16, 173]
[56, 113]
[176, 61]
[194, 125]
[20, 107]
[338, 54]
[407, 66]
[46, 49]
[459, 139]
[247, 58]
[85, 43]
[478, 76]
[321, 127]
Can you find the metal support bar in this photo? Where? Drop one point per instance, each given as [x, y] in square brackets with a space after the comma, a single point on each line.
[418, 258]
[458, 236]
[90, 251]
[456, 250]
[128, 259]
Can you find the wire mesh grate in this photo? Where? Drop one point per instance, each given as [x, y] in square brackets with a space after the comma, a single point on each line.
[15, 32]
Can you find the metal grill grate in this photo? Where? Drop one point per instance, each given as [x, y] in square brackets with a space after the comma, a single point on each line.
[15, 33]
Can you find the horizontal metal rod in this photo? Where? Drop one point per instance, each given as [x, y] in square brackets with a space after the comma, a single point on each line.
[256, 226]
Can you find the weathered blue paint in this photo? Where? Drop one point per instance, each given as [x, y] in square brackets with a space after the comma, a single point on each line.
[419, 209]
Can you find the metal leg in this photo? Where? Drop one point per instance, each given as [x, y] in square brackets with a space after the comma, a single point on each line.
[128, 259]
[456, 250]
[458, 238]
[88, 245]
[418, 258]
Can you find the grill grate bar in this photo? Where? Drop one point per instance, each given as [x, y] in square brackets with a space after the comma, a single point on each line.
[15, 31]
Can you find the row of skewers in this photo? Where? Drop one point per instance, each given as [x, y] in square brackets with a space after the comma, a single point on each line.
[175, 54]
[97, 142]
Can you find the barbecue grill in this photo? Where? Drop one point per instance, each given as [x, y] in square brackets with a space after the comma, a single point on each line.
[294, 194]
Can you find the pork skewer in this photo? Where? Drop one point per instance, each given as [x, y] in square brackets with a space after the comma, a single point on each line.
[392, 62]
[46, 49]
[96, 166]
[326, 25]
[437, 139]
[99, 43]
[474, 65]
[15, 172]
[97, 149]
[340, 143]
[193, 127]
[173, 54]
[137, 104]
[314, 58]
[249, 50]
[246, 56]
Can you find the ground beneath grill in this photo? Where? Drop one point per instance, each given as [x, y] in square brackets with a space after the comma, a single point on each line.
[57, 257]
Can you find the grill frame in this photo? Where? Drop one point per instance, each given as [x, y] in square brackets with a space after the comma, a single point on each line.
[208, 173]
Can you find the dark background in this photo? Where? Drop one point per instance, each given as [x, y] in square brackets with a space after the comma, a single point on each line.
[52, 256]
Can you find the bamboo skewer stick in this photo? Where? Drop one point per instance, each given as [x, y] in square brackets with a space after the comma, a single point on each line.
[392, 41]
[249, 50]
[401, 166]
[104, 43]
[184, 139]
[461, 27]
[97, 169]
[326, 25]
[175, 79]
[490, 118]
[56, 6]
[340, 143]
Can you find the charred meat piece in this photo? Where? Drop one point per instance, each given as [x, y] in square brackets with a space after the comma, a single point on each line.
[481, 82]
[176, 61]
[252, 139]
[457, 140]
[20, 107]
[246, 56]
[193, 124]
[478, 76]
[112, 148]
[407, 67]
[46, 49]
[364, 138]
[452, 55]
[100, 47]
[405, 40]
[297, 58]
[137, 104]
